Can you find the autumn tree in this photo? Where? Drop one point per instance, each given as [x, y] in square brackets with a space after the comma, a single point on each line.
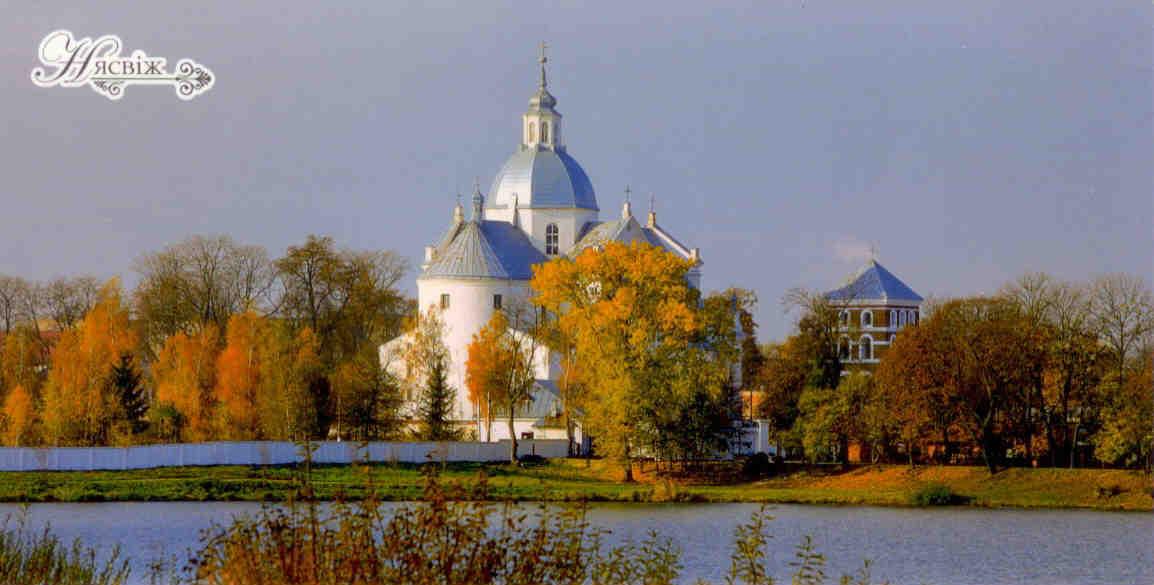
[198, 282]
[78, 407]
[632, 314]
[348, 298]
[19, 417]
[500, 370]
[67, 299]
[13, 290]
[23, 360]
[782, 381]
[485, 367]
[292, 393]
[184, 376]
[1122, 311]
[910, 383]
[238, 369]
[1127, 437]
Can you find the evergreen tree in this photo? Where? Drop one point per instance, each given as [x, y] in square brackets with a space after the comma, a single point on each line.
[126, 389]
[436, 405]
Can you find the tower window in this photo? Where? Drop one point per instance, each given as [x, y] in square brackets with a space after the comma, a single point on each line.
[893, 319]
[544, 131]
[866, 348]
[444, 300]
[867, 319]
[532, 132]
[552, 236]
[497, 302]
[844, 318]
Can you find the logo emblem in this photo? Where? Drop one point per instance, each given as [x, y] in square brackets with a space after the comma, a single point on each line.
[70, 62]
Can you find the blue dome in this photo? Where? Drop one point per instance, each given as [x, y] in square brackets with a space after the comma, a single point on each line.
[542, 178]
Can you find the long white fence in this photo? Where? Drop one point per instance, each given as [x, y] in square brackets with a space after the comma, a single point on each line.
[263, 453]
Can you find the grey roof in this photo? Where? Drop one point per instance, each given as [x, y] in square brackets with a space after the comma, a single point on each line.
[542, 177]
[596, 234]
[484, 249]
[874, 282]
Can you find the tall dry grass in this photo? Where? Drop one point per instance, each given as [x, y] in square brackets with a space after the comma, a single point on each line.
[29, 557]
[456, 537]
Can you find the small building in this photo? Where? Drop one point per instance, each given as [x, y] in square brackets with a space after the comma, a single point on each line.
[874, 305]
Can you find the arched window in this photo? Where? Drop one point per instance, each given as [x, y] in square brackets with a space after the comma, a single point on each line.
[867, 319]
[913, 317]
[844, 317]
[532, 132]
[893, 319]
[551, 238]
[865, 348]
[843, 349]
[544, 131]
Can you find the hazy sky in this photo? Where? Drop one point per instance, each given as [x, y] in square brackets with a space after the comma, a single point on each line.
[969, 141]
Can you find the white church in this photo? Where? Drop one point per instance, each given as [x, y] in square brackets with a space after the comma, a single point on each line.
[541, 205]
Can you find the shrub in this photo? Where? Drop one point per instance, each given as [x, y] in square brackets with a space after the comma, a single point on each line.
[935, 494]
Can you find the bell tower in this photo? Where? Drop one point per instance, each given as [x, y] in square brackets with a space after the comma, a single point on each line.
[541, 124]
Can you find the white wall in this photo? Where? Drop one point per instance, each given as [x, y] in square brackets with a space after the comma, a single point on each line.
[470, 308]
[262, 453]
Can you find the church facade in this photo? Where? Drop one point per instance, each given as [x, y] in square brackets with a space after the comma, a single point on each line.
[541, 206]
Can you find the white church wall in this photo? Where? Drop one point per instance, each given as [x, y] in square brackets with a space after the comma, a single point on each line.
[569, 223]
[470, 308]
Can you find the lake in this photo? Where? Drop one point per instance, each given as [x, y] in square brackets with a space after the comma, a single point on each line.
[944, 546]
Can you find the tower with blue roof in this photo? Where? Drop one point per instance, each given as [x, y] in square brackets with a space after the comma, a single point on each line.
[874, 306]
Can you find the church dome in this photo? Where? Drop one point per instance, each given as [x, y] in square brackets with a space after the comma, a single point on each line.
[542, 178]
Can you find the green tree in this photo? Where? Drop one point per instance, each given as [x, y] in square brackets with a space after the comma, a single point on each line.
[125, 385]
[435, 405]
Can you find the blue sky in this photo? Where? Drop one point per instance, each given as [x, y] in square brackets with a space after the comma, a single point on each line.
[968, 141]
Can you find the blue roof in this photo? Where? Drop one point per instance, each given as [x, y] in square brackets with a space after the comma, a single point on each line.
[874, 282]
[485, 249]
[542, 178]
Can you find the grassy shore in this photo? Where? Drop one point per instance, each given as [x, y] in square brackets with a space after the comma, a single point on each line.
[573, 480]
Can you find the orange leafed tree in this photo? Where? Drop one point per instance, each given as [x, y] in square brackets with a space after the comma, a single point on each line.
[184, 376]
[238, 378]
[78, 407]
[484, 369]
[19, 416]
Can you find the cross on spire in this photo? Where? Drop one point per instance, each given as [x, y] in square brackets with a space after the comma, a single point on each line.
[652, 201]
[628, 191]
[543, 59]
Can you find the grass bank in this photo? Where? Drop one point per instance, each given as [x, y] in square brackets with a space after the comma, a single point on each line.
[573, 480]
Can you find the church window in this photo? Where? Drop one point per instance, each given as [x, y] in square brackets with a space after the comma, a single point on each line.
[893, 319]
[843, 349]
[552, 237]
[497, 302]
[844, 318]
[865, 348]
[444, 300]
[532, 132]
[544, 131]
[867, 319]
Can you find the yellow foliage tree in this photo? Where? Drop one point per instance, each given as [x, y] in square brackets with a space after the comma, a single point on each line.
[78, 407]
[628, 309]
[183, 378]
[289, 396]
[19, 417]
